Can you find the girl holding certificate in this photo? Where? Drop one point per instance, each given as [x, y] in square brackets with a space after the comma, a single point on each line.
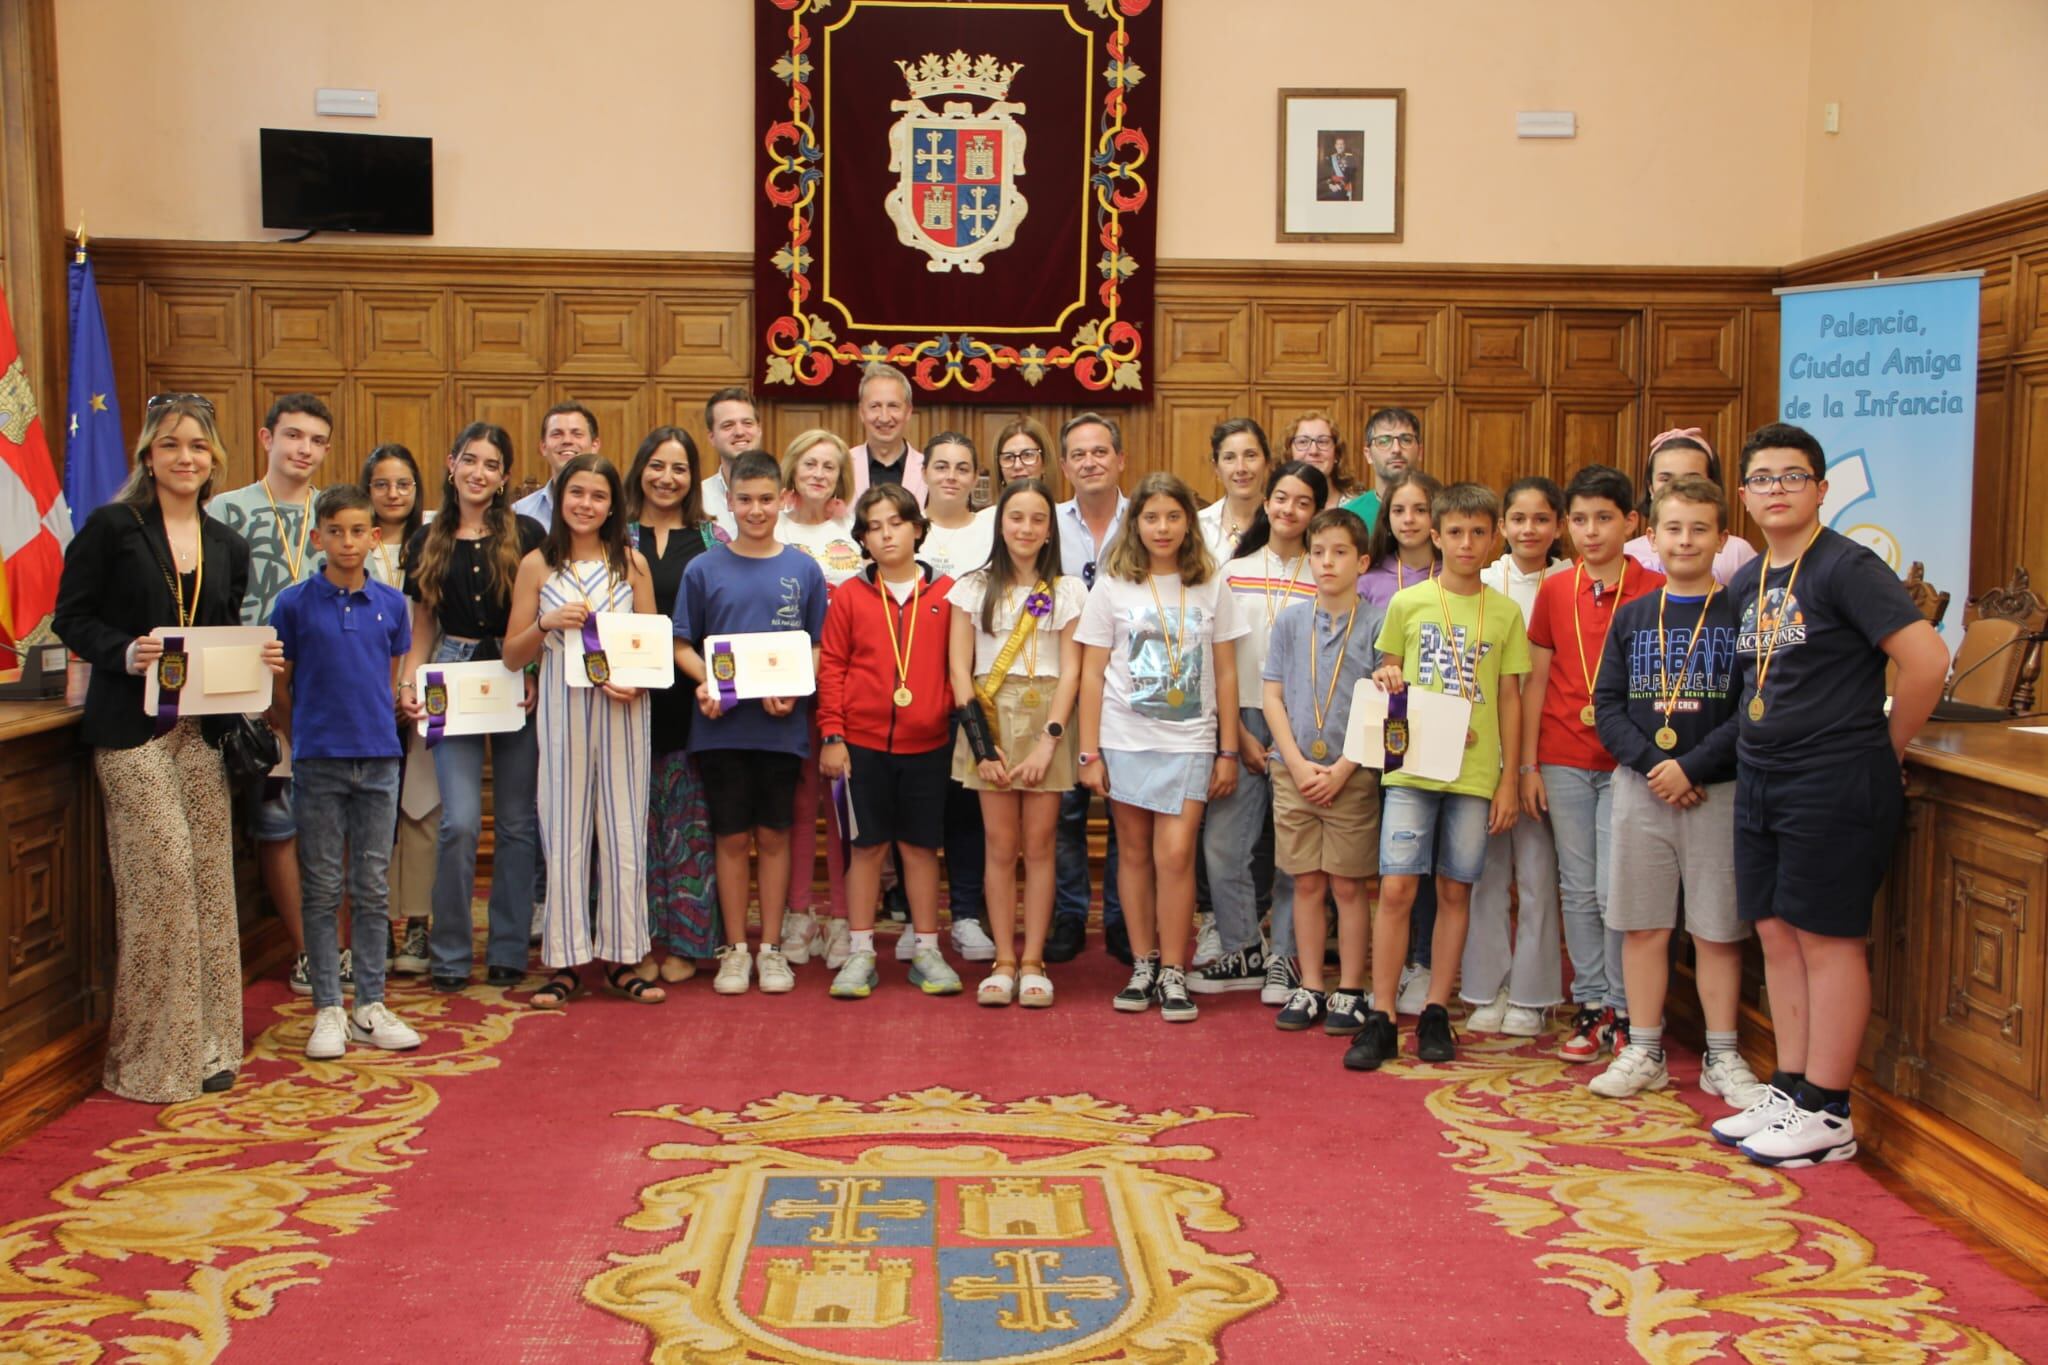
[459, 572]
[147, 559]
[593, 740]
[1015, 668]
[1160, 630]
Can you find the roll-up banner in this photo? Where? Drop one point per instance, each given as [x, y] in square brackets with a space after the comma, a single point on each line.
[1884, 374]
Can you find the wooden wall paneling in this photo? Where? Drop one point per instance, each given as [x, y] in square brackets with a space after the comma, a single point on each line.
[500, 330]
[2026, 471]
[1276, 410]
[1995, 296]
[188, 325]
[1593, 428]
[401, 330]
[1717, 414]
[42, 924]
[678, 403]
[1301, 342]
[787, 418]
[305, 330]
[624, 409]
[702, 336]
[1596, 349]
[1498, 348]
[1697, 348]
[121, 306]
[1204, 342]
[1498, 438]
[1184, 422]
[601, 332]
[411, 409]
[346, 449]
[2030, 300]
[233, 411]
[514, 402]
[1760, 388]
[1401, 343]
[1994, 510]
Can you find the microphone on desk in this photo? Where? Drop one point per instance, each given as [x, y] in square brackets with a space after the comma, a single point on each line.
[1962, 711]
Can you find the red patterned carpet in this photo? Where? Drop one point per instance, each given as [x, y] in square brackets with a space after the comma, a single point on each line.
[798, 1179]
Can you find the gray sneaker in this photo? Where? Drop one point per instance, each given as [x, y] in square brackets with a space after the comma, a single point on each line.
[411, 958]
[932, 974]
[856, 980]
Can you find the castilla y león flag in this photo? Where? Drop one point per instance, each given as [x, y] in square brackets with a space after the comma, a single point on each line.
[35, 525]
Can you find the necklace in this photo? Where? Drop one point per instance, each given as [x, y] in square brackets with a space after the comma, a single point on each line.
[1175, 694]
[1764, 652]
[1458, 649]
[177, 581]
[902, 657]
[1321, 748]
[1579, 630]
[1666, 737]
[292, 562]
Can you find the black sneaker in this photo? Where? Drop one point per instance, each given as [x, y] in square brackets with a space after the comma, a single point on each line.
[1068, 934]
[1619, 1040]
[1116, 941]
[449, 984]
[1301, 1011]
[1344, 1012]
[1281, 979]
[1375, 1044]
[1175, 1007]
[1136, 996]
[1433, 1041]
[1243, 970]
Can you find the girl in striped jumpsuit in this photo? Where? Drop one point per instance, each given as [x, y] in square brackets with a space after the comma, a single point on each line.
[593, 740]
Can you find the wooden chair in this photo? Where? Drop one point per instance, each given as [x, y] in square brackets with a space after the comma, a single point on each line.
[1933, 605]
[1992, 623]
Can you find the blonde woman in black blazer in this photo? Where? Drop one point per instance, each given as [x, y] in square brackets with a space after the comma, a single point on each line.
[150, 558]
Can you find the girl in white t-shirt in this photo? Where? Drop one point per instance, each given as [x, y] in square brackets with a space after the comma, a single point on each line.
[1159, 632]
[960, 538]
[1015, 667]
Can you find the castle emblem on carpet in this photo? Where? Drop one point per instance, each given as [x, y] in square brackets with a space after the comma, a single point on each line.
[932, 1226]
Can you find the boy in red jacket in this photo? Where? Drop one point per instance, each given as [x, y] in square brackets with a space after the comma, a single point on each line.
[885, 713]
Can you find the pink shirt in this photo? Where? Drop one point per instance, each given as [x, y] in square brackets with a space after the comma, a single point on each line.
[1736, 553]
[912, 467]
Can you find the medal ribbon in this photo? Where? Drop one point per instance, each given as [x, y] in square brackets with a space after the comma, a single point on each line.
[594, 661]
[1592, 677]
[890, 608]
[1322, 709]
[169, 682]
[1006, 657]
[437, 717]
[728, 694]
[1763, 652]
[1397, 725]
[1668, 691]
[1173, 646]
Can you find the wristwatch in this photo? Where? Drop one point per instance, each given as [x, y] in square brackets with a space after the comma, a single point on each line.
[1054, 730]
[1086, 758]
[834, 739]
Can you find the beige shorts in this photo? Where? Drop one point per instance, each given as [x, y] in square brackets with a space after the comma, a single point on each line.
[1341, 839]
[1016, 729]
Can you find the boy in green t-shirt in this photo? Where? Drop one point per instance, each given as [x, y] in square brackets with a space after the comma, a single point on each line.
[1450, 635]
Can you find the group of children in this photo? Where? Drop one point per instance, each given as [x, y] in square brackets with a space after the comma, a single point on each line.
[1634, 723]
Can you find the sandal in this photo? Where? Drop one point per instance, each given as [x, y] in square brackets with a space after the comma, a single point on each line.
[625, 980]
[560, 987]
[999, 987]
[1034, 987]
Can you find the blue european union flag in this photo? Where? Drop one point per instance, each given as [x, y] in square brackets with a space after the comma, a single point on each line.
[95, 459]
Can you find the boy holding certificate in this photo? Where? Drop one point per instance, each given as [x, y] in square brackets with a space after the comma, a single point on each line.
[344, 636]
[749, 751]
[885, 717]
[1450, 635]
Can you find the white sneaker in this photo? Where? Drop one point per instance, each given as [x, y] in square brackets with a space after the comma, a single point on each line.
[1727, 1075]
[329, 1038]
[1281, 979]
[735, 970]
[1633, 1072]
[932, 974]
[1487, 1018]
[972, 942]
[1414, 992]
[1737, 1129]
[1524, 1021]
[1804, 1137]
[540, 913]
[838, 943]
[776, 977]
[1208, 943]
[376, 1025]
[799, 931]
[906, 945]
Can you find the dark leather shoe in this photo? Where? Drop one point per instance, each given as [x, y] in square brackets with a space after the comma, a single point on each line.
[504, 976]
[217, 1082]
[449, 984]
[1064, 943]
[1116, 940]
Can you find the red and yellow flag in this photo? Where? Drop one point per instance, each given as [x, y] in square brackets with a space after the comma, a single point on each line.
[35, 525]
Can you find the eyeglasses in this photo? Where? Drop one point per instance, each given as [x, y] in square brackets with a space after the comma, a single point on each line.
[1315, 443]
[165, 400]
[393, 486]
[1387, 440]
[1792, 480]
[1017, 459]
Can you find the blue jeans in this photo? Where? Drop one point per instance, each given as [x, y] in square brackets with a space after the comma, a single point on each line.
[1070, 863]
[1581, 802]
[1232, 848]
[966, 854]
[515, 778]
[345, 809]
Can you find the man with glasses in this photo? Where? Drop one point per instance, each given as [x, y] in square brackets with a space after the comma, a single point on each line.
[1092, 456]
[1393, 445]
[566, 431]
[732, 422]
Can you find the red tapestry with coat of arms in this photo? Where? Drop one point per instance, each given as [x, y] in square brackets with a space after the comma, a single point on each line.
[963, 189]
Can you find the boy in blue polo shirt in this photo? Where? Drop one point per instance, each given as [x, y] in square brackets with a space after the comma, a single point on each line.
[344, 635]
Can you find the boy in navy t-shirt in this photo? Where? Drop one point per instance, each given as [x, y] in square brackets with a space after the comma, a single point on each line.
[344, 636]
[750, 752]
[1818, 797]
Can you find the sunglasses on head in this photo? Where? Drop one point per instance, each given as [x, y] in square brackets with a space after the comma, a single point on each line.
[165, 400]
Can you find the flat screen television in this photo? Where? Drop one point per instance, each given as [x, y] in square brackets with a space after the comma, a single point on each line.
[347, 182]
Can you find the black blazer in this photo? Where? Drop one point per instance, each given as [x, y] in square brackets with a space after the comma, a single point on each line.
[113, 591]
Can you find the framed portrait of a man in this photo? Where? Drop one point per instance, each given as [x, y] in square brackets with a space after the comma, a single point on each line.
[1340, 165]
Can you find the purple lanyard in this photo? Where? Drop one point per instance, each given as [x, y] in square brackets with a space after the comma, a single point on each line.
[595, 666]
[1396, 742]
[171, 669]
[724, 668]
[436, 698]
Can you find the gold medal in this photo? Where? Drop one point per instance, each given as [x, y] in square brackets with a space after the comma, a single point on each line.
[903, 696]
[1032, 697]
[1175, 696]
[902, 655]
[1319, 749]
[1786, 605]
[1586, 714]
[1756, 708]
[599, 669]
[1396, 741]
[1667, 738]
[1667, 690]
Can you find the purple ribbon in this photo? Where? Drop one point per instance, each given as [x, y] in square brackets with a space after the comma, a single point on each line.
[724, 668]
[166, 690]
[842, 808]
[1396, 730]
[435, 697]
[593, 648]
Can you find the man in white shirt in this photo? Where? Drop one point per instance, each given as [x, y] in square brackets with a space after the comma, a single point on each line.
[566, 431]
[886, 456]
[732, 423]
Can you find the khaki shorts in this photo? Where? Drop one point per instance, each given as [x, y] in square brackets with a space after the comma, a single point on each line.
[1342, 839]
[1016, 729]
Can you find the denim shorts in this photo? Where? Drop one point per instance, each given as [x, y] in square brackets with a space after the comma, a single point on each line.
[271, 820]
[1158, 782]
[1424, 831]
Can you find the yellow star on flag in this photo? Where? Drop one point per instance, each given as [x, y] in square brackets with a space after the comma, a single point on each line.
[99, 402]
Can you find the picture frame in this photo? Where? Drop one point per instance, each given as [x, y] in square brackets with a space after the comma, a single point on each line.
[1339, 168]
